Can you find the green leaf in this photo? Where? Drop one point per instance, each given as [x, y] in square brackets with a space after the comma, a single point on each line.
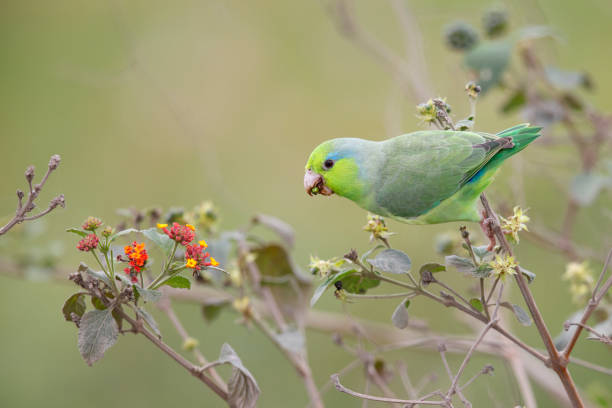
[179, 282]
[352, 282]
[370, 251]
[391, 261]
[149, 320]
[74, 304]
[122, 233]
[521, 315]
[426, 272]
[292, 340]
[463, 265]
[243, 390]
[566, 80]
[604, 328]
[565, 336]
[464, 124]
[482, 271]
[489, 60]
[516, 100]
[99, 275]
[528, 274]
[97, 333]
[477, 304]
[400, 315]
[97, 303]
[356, 283]
[432, 267]
[274, 261]
[211, 312]
[159, 239]
[483, 253]
[281, 228]
[586, 186]
[148, 295]
[78, 231]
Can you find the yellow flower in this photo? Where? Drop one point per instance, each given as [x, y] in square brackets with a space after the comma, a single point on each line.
[204, 216]
[581, 281]
[323, 267]
[202, 243]
[241, 304]
[191, 263]
[516, 223]
[503, 266]
[190, 344]
[578, 272]
[191, 227]
[377, 227]
[162, 225]
[213, 261]
[235, 276]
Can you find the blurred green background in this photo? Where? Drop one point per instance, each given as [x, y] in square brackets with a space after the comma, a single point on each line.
[171, 103]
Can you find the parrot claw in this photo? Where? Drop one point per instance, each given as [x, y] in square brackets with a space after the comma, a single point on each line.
[487, 227]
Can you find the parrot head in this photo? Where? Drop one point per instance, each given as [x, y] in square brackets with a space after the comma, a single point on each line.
[334, 168]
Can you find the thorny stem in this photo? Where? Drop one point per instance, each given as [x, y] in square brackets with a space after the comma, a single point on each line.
[558, 364]
[34, 191]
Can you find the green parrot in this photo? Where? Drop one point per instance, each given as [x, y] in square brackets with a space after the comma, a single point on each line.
[425, 177]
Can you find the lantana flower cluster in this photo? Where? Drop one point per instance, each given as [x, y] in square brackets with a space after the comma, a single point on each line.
[183, 234]
[89, 243]
[195, 257]
[137, 258]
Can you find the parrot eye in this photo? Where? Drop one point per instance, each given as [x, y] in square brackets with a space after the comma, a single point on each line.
[328, 164]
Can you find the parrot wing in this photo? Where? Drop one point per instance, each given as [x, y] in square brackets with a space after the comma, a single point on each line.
[421, 169]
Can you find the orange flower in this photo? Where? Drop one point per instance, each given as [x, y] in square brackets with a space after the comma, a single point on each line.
[137, 255]
[191, 227]
[191, 263]
[203, 243]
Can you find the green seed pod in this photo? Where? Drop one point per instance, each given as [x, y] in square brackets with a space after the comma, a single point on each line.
[495, 22]
[461, 36]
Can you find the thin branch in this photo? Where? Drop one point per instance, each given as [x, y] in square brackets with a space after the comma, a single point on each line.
[558, 364]
[336, 380]
[592, 305]
[342, 15]
[165, 306]
[34, 191]
[298, 360]
[193, 370]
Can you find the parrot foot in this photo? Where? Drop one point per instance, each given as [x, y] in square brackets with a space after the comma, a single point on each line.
[486, 224]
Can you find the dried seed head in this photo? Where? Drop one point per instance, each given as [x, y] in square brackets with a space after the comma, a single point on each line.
[352, 255]
[29, 174]
[54, 161]
[58, 201]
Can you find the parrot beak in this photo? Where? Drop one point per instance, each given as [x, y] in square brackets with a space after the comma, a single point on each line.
[314, 184]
